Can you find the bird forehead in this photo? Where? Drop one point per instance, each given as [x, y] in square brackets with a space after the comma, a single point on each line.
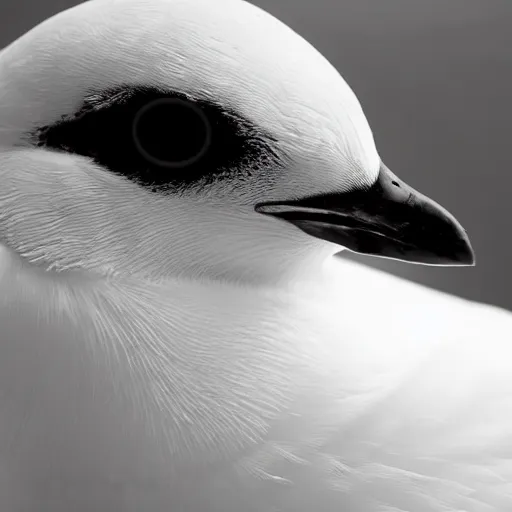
[228, 51]
[227, 48]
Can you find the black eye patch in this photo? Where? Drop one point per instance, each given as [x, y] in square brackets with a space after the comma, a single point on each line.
[160, 139]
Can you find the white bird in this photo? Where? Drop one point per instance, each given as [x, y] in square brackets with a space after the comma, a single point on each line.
[175, 335]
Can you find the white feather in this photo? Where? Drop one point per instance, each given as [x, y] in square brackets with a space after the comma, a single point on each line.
[361, 391]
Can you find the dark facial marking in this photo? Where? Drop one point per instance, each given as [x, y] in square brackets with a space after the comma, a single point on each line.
[160, 140]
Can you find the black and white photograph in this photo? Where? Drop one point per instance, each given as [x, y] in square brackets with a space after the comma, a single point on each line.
[255, 256]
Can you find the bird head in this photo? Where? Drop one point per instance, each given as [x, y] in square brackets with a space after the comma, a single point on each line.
[195, 138]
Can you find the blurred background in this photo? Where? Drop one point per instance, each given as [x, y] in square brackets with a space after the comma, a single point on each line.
[435, 80]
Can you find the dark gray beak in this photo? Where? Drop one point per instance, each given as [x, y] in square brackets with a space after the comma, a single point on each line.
[390, 219]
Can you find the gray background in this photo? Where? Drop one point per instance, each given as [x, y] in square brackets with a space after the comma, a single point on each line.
[435, 80]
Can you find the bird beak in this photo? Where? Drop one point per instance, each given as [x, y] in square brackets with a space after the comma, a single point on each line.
[390, 219]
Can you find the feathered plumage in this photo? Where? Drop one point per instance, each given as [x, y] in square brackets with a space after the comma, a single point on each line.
[171, 349]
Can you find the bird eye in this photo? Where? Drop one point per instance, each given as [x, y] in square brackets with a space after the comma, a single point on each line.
[160, 139]
[172, 132]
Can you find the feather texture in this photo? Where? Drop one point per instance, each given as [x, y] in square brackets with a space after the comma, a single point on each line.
[371, 394]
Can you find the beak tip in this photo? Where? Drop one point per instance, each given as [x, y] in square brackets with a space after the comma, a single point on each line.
[467, 259]
[465, 256]
[470, 260]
